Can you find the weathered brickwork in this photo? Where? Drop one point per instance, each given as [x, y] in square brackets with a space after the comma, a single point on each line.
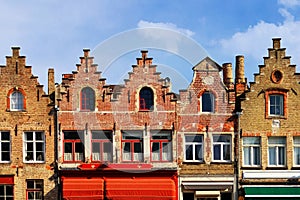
[36, 115]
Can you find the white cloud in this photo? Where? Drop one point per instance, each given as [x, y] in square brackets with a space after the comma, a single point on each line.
[289, 3]
[171, 26]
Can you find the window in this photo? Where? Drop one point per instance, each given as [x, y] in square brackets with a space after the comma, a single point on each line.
[87, 99]
[193, 148]
[296, 150]
[34, 147]
[251, 151]
[6, 192]
[73, 146]
[5, 146]
[132, 146]
[146, 99]
[276, 147]
[276, 105]
[102, 146]
[161, 146]
[207, 102]
[16, 101]
[34, 189]
[222, 148]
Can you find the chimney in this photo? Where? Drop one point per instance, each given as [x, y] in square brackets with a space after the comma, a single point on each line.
[86, 52]
[15, 51]
[51, 81]
[276, 43]
[227, 74]
[239, 69]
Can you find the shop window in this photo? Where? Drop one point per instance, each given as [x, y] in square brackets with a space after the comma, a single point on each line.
[222, 148]
[34, 146]
[251, 151]
[132, 146]
[87, 101]
[276, 150]
[16, 100]
[6, 192]
[161, 146]
[207, 102]
[193, 148]
[73, 146]
[296, 151]
[146, 99]
[5, 146]
[102, 146]
[34, 189]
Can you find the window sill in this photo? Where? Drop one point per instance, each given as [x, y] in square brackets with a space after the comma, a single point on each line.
[12, 110]
[221, 162]
[5, 162]
[193, 162]
[276, 117]
[251, 167]
[34, 162]
[276, 168]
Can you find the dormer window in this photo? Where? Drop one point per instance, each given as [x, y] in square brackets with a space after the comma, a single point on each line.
[16, 99]
[87, 99]
[207, 102]
[146, 99]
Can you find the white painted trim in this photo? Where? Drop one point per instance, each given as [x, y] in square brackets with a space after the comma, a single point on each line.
[271, 174]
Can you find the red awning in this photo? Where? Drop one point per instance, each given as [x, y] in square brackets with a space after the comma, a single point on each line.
[83, 188]
[7, 180]
[140, 188]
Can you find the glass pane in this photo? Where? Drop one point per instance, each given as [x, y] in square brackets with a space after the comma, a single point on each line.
[39, 136]
[73, 135]
[68, 147]
[31, 195]
[247, 156]
[222, 138]
[296, 140]
[193, 138]
[107, 147]
[9, 190]
[5, 156]
[29, 136]
[276, 140]
[5, 136]
[256, 155]
[188, 152]
[207, 102]
[138, 147]
[29, 146]
[30, 184]
[281, 155]
[39, 184]
[29, 156]
[5, 146]
[272, 155]
[40, 156]
[126, 151]
[79, 147]
[101, 135]
[226, 152]
[132, 135]
[2, 189]
[217, 152]
[198, 153]
[297, 155]
[251, 140]
[40, 146]
[96, 147]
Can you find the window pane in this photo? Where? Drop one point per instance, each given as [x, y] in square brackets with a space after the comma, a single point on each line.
[78, 147]
[138, 147]
[9, 190]
[107, 147]
[251, 140]
[5, 156]
[146, 98]
[188, 152]
[74, 135]
[193, 138]
[222, 138]
[256, 155]
[5, 146]
[207, 102]
[247, 156]
[296, 140]
[281, 155]
[40, 146]
[39, 136]
[30, 184]
[272, 155]
[198, 152]
[29, 136]
[226, 152]
[276, 140]
[217, 152]
[68, 147]
[103, 135]
[297, 155]
[5, 136]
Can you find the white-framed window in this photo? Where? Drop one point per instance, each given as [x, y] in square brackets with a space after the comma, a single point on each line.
[5, 146]
[132, 146]
[34, 189]
[251, 151]
[276, 105]
[34, 146]
[16, 101]
[102, 147]
[277, 151]
[161, 146]
[193, 148]
[296, 151]
[207, 102]
[222, 148]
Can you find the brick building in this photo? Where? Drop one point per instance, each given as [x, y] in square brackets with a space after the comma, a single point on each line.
[117, 141]
[206, 134]
[269, 130]
[27, 133]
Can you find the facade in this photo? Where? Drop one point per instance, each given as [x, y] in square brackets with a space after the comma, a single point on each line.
[206, 134]
[269, 130]
[119, 140]
[27, 133]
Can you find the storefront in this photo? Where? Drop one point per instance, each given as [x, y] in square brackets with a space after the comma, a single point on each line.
[265, 192]
[114, 184]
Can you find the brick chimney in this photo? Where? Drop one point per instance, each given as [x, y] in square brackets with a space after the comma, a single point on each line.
[15, 51]
[227, 74]
[144, 60]
[276, 43]
[239, 69]
[51, 81]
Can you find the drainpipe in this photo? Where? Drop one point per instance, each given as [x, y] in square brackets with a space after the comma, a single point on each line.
[236, 159]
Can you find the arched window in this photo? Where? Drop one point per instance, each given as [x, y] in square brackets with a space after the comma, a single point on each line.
[87, 99]
[146, 99]
[16, 101]
[207, 102]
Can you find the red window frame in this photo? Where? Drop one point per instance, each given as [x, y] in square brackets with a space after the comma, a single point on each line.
[267, 102]
[79, 139]
[105, 137]
[132, 138]
[161, 137]
[8, 99]
[35, 189]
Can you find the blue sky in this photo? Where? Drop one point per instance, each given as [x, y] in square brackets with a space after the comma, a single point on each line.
[53, 33]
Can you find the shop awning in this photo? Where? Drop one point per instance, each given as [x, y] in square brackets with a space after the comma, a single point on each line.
[141, 188]
[272, 191]
[83, 188]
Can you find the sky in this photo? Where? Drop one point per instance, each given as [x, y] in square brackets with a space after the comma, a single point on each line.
[177, 34]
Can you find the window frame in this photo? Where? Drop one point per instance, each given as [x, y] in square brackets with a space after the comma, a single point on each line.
[35, 189]
[107, 138]
[74, 141]
[252, 151]
[2, 141]
[222, 145]
[35, 150]
[296, 161]
[161, 141]
[10, 103]
[146, 99]
[87, 99]
[277, 151]
[212, 102]
[194, 144]
[274, 92]
[132, 138]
